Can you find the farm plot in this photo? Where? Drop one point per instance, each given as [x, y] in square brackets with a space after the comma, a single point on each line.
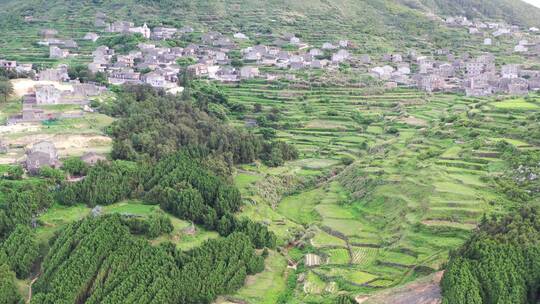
[417, 181]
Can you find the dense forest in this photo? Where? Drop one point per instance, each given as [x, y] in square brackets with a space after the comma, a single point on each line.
[153, 125]
[97, 260]
[178, 183]
[103, 259]
[499, 264]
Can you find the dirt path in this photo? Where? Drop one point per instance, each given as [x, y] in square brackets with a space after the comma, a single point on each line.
[423, 291]
[30, 289]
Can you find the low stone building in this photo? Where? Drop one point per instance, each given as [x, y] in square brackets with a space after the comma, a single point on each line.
[248, 72]
[41, 154]
[57, 74]
[47, 95]
[58, 53]
[91, 37]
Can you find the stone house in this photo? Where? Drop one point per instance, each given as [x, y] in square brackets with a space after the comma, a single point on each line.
[41, 154]
[198, 69]
[328, 46]
[478, 86]
[248, 72]
[24, 68]
[103, 54]
[143, 30]
[87, 89]
[534, 84]
[518, 86]
[474, 31]
[91, 37]
[296, 58]
[318, 64]
[122, 76]
[186, 30]
[8, 64]
[294, 41]
[344, 43]
[365, 59]
[47, 95]
[120, 27]
[445, 70]
[520, 49]
[488, 41]
[48, 33]
[3, 147]
[404, 68]
[316, 52]
[340, 56]
[475, 68]
[240, 36]
[57, 53]
[155, 79]
[383, 73]
[252, 56]
[501, 32]
[126, 60]
[95, 67]
[57, 74]
[70, 43]
[431, 83]
[297, 65]
[227, 74]
[510, 71]
[162, 33]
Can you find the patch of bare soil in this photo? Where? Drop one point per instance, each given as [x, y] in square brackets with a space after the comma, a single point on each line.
[423, 291]
[413, 121]
[24, 86]
[66, 144]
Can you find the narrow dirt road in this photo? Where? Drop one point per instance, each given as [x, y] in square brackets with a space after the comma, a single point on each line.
[30, 289]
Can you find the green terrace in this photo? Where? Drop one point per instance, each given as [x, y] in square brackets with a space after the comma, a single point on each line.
[420, 180]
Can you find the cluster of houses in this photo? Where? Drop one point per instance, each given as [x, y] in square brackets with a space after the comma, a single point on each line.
[58, 48]
[157, 66]
[492, 30]
[219, 57]
[476, 76]
[211, 56]
[148, 64]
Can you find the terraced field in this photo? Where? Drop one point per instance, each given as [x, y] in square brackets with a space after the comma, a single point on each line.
[418, 176]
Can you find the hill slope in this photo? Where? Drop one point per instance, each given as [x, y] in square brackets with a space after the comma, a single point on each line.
[512, 11]
[375, 25]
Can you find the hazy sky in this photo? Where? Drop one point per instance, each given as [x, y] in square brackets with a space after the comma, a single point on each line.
[533, 2]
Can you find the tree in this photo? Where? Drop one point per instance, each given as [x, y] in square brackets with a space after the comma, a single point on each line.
[8, 288]
[75, 166]
[15, 172]
[6, 88]
[20, 250]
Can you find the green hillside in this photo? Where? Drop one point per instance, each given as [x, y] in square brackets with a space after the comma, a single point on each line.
[375, 25]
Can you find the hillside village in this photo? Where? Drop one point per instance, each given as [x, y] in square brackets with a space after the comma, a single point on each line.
[232, 58]
[235, 152]
[156, 65]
